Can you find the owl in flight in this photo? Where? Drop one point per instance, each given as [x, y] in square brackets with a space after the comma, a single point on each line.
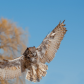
[33, 59]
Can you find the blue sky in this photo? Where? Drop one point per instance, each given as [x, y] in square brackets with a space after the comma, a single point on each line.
[40, 17]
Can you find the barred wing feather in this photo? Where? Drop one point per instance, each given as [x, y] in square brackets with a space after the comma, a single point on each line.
[51, 43]
[10, 69]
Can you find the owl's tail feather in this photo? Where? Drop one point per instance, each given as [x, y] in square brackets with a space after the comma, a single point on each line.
[37, 72]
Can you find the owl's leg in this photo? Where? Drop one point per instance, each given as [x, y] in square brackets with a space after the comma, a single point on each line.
[38, 73]
[31, 78]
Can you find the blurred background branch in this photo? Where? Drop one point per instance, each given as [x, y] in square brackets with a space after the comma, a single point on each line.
[13, 42]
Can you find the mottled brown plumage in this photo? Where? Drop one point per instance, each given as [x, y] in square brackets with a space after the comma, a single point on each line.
[33, 59]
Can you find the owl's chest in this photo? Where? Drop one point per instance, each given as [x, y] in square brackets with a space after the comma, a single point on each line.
[29, 61]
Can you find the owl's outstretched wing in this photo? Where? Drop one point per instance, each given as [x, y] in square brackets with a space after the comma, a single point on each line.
[10, 69]
[51, 43]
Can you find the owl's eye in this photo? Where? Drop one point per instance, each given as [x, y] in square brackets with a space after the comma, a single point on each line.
[30, 52]
[28, 57]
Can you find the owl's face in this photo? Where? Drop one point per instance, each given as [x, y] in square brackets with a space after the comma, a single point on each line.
[31, 54]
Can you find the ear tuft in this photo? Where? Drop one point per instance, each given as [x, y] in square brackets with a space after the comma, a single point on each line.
[26, 52]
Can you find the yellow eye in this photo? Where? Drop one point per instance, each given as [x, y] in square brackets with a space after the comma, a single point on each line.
[30, 52]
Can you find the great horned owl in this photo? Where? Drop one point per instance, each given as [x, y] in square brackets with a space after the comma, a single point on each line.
[33, 59]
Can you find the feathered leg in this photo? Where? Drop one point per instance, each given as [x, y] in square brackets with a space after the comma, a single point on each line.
[36, 72]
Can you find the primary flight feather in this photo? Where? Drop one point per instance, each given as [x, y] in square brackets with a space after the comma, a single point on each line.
[33, 59]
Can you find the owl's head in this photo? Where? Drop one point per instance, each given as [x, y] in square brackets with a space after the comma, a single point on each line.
[30, 54]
